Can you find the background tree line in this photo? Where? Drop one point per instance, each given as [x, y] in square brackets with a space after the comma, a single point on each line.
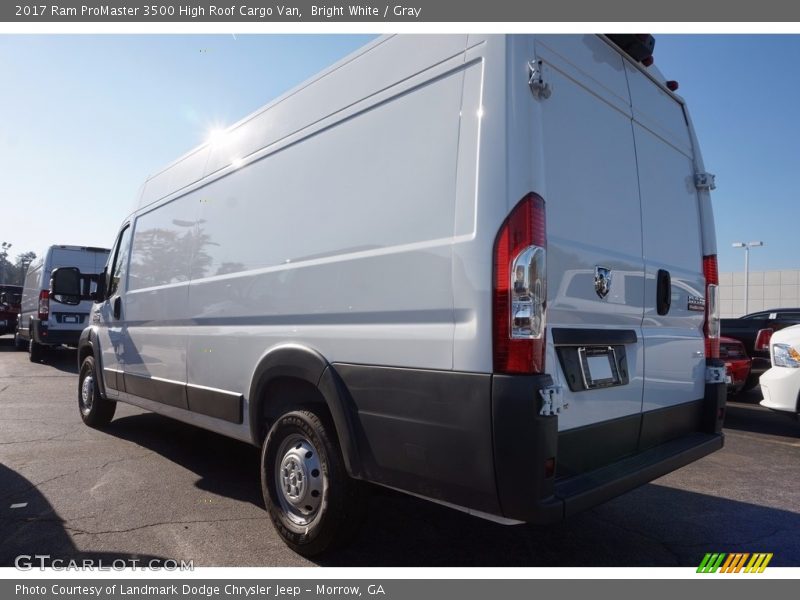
[12, 272]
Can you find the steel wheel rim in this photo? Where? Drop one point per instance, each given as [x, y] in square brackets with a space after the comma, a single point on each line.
[87, 393]
[299, 480]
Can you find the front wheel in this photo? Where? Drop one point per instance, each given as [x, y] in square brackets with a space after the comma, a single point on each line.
[311, 500]
[95, 410]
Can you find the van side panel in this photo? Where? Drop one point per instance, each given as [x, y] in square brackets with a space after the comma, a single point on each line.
[481, 200]
[340, 242]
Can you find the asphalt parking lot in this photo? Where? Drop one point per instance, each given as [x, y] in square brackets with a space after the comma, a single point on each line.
[151, 487]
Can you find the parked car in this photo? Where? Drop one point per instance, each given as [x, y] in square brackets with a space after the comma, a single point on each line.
[10, 296]
[780, 385]
[39, 327]
[737, 363]
[754, 331]
[364, 279]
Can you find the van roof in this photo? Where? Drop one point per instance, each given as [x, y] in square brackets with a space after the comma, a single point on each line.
[200, 162]
[85, 248]
[170, 186]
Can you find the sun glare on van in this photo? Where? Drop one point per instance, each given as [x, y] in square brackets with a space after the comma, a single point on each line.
[215, 135]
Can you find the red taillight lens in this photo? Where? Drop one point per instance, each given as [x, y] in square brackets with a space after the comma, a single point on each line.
[44, 305]
[711, 325]
[520, 290]
[762, 339]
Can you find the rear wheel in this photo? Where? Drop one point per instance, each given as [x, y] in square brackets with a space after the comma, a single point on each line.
[35, 351]
[95, 410]
[311, 500]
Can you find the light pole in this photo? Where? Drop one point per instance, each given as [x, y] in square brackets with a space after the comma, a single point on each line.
[4, 247]
[747, 246]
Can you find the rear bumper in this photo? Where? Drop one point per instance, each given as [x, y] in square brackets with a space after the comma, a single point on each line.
[42, 334]
[597, 463]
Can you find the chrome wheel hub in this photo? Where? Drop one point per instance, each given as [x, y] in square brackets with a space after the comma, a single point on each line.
[87, 393]
[299, 479]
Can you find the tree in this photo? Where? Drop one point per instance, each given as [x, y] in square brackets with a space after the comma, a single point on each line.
[13, 273]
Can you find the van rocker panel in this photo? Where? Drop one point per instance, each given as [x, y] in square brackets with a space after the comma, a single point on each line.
[212, 402]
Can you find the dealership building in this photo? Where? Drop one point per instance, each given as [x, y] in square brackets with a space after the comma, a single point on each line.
[767, 289]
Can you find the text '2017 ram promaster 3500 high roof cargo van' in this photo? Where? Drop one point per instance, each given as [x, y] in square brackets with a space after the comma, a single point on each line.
[478, 269]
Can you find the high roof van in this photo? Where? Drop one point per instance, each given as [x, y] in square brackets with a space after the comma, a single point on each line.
[39, 328]
[479, 269]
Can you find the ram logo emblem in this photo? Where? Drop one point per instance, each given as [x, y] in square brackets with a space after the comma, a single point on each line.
[602, 281]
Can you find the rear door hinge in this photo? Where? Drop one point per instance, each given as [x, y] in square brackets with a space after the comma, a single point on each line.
[716, 375]
[552, 400]
[540, 88]
[705, 181]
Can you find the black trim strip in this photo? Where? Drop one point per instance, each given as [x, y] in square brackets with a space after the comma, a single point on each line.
[168, 392]
[670, 422]
[215, 403]
[597, 445]
[199, 399]
[114, 379]
[563, 336]
[425, 431]
[593, 446]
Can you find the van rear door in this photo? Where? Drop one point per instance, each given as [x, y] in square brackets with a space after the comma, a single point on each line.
[88, 261]
[594, 233]
[674, 367]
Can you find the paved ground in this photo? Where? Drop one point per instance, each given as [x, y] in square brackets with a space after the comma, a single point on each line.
[151, 487]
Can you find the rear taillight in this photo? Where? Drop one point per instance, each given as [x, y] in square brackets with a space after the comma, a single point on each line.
[520, 290]
[762, 339]
[711, 325]
[44, 305]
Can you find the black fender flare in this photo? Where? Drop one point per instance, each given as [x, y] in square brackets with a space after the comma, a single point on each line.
[303, 363]
[89, 338]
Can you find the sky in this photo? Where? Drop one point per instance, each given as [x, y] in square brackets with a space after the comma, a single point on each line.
[85, 119]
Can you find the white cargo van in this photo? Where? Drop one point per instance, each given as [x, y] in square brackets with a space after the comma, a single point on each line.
[39, 327]
[373, 278]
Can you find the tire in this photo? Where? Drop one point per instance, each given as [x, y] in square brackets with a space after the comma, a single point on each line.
[35, 351]
[313, 503]
[19, 343]
[95, 410]
[750, 383]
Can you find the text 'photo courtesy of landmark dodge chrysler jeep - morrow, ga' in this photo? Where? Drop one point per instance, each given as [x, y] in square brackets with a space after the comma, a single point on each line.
[373, 279]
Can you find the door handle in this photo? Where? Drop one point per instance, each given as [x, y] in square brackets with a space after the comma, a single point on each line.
[663, 292]
[117, 307]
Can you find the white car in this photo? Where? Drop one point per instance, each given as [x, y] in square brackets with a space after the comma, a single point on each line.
[781, 384]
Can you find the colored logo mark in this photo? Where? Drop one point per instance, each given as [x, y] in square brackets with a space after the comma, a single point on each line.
[734, 563]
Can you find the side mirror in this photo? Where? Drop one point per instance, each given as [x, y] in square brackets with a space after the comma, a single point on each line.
[100, 291]
[65, 285]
